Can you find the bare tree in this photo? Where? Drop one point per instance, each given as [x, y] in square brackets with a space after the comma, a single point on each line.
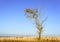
[33, 15]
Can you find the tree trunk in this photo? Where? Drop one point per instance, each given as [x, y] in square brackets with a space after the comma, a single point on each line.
[39, 36]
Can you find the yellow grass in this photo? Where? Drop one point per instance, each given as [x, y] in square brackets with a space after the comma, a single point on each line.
[30, 38]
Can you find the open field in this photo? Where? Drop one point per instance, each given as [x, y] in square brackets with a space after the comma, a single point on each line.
[30, 39]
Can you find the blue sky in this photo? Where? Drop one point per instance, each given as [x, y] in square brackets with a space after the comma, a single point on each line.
[13, 21]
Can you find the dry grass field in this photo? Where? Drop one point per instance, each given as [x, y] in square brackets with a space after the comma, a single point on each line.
[30, 39]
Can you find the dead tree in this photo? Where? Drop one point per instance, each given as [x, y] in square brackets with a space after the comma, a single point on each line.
[35, 16]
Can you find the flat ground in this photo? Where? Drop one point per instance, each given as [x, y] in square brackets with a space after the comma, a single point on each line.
[29, 38]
